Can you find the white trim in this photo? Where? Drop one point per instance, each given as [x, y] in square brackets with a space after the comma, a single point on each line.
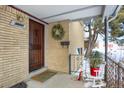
[110, 9]
[116, 14]
[45, 44]
[38, 21]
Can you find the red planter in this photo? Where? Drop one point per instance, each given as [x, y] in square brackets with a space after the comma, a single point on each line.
[93, 72]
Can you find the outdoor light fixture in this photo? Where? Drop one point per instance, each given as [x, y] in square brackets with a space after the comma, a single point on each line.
[65, 43]
[17, 24]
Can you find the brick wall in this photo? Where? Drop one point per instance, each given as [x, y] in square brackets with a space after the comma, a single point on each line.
[13, 48]
[56, 55]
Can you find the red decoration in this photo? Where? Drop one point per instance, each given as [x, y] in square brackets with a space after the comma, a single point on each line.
[93, 73]
[80, 75]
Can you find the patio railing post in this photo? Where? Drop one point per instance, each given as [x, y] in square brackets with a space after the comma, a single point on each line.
[118, 75]
[69, 63]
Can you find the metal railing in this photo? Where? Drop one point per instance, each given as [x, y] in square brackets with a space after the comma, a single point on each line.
[114, 71]
[75, 61]
[114, 74]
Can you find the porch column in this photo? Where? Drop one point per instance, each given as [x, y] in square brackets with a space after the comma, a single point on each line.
[106, 37]
[106, 45]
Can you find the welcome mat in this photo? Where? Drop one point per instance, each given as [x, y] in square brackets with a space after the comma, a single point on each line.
[44, 76]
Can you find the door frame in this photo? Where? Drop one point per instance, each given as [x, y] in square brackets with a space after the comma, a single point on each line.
[42, 43]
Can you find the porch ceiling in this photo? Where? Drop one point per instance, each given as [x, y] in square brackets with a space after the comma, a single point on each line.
[53, 13]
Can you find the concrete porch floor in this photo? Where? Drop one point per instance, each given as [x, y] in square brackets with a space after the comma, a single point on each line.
[59, 80]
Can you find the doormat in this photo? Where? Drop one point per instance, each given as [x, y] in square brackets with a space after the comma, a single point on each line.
[44, 76]
[20, 85]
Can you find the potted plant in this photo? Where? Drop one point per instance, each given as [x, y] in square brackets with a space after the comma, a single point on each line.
[95, 61]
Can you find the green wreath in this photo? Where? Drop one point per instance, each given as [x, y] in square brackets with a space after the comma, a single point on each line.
[57, 32]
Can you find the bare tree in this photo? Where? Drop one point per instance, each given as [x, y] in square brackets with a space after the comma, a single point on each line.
[95, 27]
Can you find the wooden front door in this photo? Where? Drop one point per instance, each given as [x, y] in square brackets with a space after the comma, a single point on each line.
[36, 45]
